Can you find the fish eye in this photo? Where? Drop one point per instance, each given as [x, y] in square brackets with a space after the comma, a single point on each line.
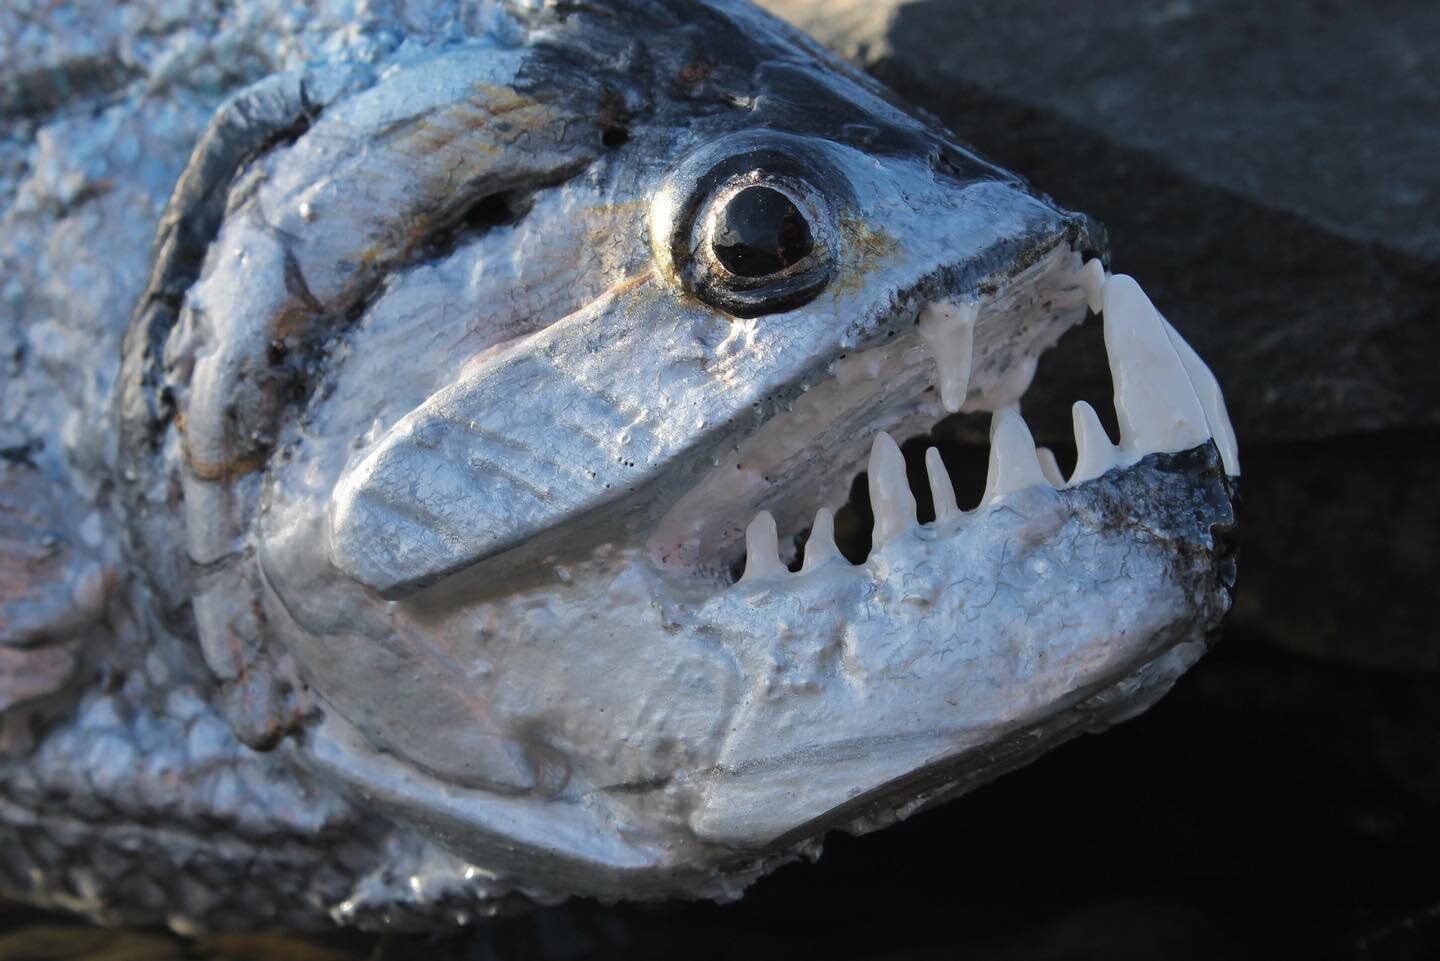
[760, 232]
[751, 225]
[763, 242]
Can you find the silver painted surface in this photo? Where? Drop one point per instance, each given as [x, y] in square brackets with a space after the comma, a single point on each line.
[368, 542]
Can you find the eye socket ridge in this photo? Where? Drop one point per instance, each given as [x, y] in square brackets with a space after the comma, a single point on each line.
[762, 262]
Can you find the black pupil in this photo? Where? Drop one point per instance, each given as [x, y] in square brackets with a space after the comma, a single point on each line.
[761, 233]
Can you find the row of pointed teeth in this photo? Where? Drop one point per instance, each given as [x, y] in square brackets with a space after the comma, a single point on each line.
[1015, 464]
[1166, 401]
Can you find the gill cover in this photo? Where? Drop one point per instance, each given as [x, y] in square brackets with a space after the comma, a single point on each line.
[304, 196]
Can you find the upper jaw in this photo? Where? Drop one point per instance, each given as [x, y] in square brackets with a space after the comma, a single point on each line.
[583, 433]
[545, 452]
[949, 348]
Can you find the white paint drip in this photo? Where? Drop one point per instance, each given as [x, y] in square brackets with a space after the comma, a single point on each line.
[948, 329]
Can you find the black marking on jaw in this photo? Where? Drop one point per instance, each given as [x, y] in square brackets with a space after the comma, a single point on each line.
[22, 454]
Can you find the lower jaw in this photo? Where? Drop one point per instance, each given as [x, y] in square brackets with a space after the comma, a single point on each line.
[950, 775]
[870, 689]
[954, 639]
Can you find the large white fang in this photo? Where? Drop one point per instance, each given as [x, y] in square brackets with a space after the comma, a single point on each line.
[942, 492]
[1092, 281]
[1094, 454]
[1154, 400]
[890, 497]
[948, 329]
[1050, 467]
[820, 547]
[1013, 464]
[762, 549]
[1207, 388]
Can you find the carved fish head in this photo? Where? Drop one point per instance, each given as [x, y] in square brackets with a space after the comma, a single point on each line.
[517, 394]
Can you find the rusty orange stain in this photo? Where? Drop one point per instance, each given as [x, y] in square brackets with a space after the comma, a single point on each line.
[867, 249]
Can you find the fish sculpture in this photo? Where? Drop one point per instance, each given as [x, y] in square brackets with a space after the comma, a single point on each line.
[459, 456]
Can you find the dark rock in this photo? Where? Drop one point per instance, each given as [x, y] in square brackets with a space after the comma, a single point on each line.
[1346, 549]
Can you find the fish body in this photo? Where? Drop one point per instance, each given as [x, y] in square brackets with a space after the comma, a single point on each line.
[451, 505]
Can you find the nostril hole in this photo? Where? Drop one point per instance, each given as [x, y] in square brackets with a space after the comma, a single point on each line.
[615, 136]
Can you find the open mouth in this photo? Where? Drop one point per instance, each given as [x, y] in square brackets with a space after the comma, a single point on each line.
[951, 635]
[826, 481]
